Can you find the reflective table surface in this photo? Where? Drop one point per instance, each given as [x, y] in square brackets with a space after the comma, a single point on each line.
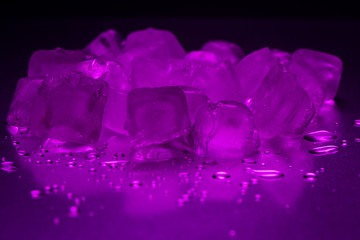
[283, 192]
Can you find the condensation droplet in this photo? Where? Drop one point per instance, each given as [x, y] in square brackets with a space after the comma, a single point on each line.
[8, 166]
[310, 177]
[221, 175]
[35, 194]
[324, 150]
[356, 123]
[136, 184]
[268, 174]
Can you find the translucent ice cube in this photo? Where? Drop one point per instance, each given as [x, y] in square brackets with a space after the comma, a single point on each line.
[156, 115]
[20, 110]
[159, 72]
[154, 42]
[225, 130]
[309, 81]
[280, 106]
[195, 101]
[217, 81]
[107, 44]
[252, 69]
[224, 50]
[328, 67]
[69, 108]
[282, 57]
[52, 62]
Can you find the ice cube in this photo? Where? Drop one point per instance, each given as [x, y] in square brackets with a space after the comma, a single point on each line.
[154, 42]
[328, 67]
[156, 115]
[159, 72]
[19, 114]
[225, 130]
[52, 62]
[280, 106]
[224, 50]
[107, 44]
[195, 101]
[282, 57]
[115, 112]
[69, 108]
[309, 81]
[217, 81]
[110, 71]
[252, 69]
[196, 59]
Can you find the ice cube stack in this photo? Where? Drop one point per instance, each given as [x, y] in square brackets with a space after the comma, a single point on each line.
[215, 102]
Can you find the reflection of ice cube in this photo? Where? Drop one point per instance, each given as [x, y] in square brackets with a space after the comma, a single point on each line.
[280, 106]
[107, 44]
[327, 67]
[224, 50]
[69, 108]
[20, 110]
[225, 130]
[156, 115]
[57, 61]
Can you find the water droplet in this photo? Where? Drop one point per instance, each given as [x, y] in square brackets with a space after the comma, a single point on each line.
[268, 174]
[344, 143]
[320, 136]
[310, 177]
[221, 175]
[184, 175]
[200, 167]
[209, 162]
[244, 184]
[357, 139]
[115, 164]
[23, 153]
[56, 221]
[232, 233]
[254, 181]
[322, 170]
[103, 176]
[324, 150]
[257, 197]
[15, 142]
[136, 184]
[356, 123]
[8, 166]
[74, 212]
[70, 164]
[35, 194]
[266, 152]
[3, 159]
[92, 156]
[249, 161]
[49, 161]
[92, 170]
[48, 188]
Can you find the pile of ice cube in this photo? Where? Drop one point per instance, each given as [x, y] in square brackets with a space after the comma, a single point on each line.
[214, 103]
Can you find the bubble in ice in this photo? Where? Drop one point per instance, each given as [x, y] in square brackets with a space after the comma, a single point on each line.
[320, 136]
[310, 177]
[8, 166]
[268, 174]
[221, 175]
[324, 150]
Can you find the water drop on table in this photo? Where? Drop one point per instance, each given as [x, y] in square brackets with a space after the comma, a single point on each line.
[356, 123]
[310, 177]
[8, 166]
[320, 136]
[268, 174]
[324, 150]
[136, 184]
[35, 194]
[221, 175]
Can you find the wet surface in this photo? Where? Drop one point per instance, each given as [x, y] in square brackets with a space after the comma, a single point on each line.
[292, 188]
